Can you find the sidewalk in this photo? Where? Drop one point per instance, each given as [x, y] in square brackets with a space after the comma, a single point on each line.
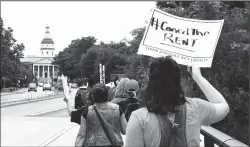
[38, 131]
[32, 131]
[22, 90]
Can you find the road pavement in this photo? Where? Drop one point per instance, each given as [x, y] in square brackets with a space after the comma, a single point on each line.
[20, 128]
[43, 123]
[26, 95]
[68, 136]
[55, 113]
[21, 90]
[34, 108]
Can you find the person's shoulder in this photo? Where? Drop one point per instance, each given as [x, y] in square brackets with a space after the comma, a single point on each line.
[117, 100]
[141, 112]
[197, 103]
[121, 102]
[192, 101]
[113, 105]
[85, 92]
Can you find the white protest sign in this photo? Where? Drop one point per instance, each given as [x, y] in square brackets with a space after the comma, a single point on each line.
[65, 86]
[102, 73]
[188, 41]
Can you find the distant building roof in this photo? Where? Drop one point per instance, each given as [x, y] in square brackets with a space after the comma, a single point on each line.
[35, 59]
[47, 48]
[47, 41]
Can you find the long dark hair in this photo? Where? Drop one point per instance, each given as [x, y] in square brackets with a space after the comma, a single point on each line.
[164, 87]
[100, 93]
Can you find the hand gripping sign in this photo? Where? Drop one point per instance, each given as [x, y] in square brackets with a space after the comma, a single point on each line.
[188, 41]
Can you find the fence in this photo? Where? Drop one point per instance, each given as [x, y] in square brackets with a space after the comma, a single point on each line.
[213, 136]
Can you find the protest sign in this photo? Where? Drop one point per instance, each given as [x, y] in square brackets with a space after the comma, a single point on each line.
[65, 86]
[102, 73]
[188, 41]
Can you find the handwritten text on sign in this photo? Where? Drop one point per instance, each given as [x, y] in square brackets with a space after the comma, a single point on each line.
[188, 41]
[102, 73]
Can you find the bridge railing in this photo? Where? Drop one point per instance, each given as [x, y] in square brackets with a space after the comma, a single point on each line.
[213, 136]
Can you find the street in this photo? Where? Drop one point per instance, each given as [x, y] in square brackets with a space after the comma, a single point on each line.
[33, 123]
[42, 123]
[56, 113]
[25, 95]
[34, 108]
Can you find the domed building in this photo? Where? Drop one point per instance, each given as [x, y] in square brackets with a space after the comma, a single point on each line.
[47, 45]
[41, 64]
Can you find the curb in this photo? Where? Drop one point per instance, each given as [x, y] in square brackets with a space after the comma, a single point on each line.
[31, 101]
[41, 113]
[13, 93]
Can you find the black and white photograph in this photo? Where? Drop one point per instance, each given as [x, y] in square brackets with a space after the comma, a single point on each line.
[125, 73]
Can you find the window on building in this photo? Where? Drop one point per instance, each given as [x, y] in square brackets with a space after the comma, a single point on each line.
[47, 52]
[52, 53]
[42, 52]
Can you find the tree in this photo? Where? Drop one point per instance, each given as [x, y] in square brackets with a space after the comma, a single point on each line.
[69, 59]
[104, 54]
[11, 53]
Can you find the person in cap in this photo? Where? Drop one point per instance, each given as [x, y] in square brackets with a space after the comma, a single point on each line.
[132, 102]
[120, 92]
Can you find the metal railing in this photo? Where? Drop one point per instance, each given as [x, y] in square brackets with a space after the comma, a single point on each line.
[213, 136]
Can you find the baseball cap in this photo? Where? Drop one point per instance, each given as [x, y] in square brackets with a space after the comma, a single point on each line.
[132, 86]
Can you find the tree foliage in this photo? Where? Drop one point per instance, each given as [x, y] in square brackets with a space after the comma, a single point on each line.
[11, 68]
[69, 59]
[105, 54]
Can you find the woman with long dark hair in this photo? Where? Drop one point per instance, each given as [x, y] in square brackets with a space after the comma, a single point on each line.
[168, 112]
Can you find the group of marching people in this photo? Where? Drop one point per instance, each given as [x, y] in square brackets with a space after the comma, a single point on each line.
[157, 115]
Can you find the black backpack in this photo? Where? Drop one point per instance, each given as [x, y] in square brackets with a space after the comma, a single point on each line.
[128, 106]
[78, 102]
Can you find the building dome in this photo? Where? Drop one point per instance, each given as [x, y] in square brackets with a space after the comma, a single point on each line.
[47, 45]
[47, 41]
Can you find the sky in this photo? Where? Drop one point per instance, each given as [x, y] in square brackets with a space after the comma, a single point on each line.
[107, 21]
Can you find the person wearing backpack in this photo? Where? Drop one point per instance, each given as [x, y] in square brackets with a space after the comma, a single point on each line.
[169, 118]
[132, 102]
[101, 123]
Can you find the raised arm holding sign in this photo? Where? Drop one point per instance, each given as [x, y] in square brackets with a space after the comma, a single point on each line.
[69, 98]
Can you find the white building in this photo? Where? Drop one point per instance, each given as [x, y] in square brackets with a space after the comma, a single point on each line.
[41, 64]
